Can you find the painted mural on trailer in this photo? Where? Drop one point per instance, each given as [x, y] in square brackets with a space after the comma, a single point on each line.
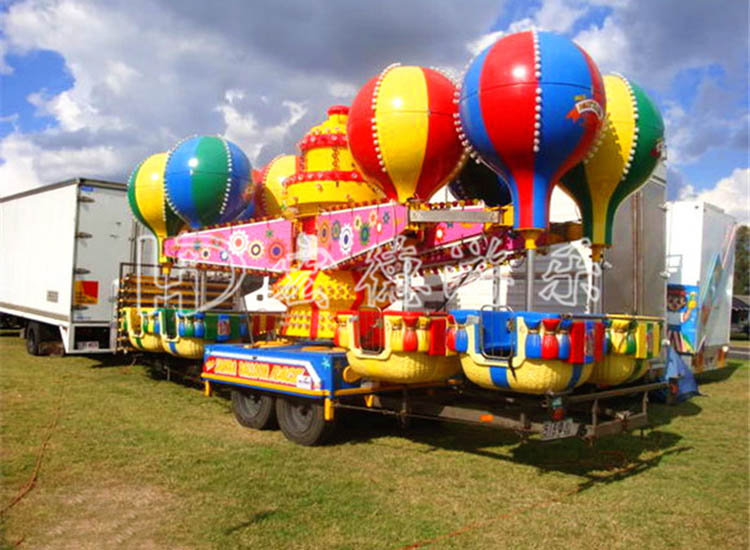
[682, 317]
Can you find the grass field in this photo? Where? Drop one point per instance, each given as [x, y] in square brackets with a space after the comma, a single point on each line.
[134, 462]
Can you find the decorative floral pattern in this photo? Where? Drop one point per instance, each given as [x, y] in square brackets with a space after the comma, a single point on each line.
[324, 233]
[276, 250]
[255, 249]
[346, 239]
[373, 217]
[357, 222]
[440, 232]
[386, 217]
[335, 230]
[205, 253]
[364, 234]
[237, 242]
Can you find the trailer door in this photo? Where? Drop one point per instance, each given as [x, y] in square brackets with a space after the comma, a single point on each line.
[103, 233]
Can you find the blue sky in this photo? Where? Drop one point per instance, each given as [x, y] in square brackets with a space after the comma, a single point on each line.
[91, 87]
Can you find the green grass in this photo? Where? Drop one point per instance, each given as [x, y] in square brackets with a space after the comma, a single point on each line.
[134, 462]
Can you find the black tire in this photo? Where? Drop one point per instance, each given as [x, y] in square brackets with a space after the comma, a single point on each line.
[33, 333]
[302, 420]
[253, 409]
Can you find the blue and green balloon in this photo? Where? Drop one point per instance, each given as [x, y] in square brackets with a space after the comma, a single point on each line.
[208, 181]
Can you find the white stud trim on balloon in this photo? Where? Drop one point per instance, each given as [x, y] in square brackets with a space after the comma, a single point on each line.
[227, 187]
[374, 120]
[538, 98]
[634, 145]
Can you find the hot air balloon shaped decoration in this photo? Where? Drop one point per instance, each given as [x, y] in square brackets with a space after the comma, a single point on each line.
[207, 180]
[265, 195]
[401, 132]
[271, 184]
[531, 105]
[148, 202]
[631, 144]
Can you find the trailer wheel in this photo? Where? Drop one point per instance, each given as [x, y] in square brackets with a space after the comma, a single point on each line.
[33, 331]
[302, 420]
[253, 409]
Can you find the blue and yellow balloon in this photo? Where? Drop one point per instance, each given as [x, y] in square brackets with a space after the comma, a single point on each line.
[148, 201]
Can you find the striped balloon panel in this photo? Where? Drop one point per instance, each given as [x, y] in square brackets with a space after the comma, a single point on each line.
[501, 97]
[646, 152]
[240, 190]
[206, 177]
[610, 175]
[147, 197]
[133, 201]
[401, 132]
[272, 188]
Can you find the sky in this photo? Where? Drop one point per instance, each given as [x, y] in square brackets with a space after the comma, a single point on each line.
[90, 88]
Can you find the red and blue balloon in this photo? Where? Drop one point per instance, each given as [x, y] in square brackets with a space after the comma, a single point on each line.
[530, 106]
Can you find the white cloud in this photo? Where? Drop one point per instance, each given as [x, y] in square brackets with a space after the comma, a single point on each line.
[559, 15]
[234, 95]
[17, 172]
[477, 46]
[4, 67]
[245, 131]
[137, 90]
[732, 194]
[10, 119]
[342, 90]
[608, 45]
[27, 165]
[553, 15]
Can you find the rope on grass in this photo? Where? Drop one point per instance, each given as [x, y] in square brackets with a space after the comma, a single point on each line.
[31, 483]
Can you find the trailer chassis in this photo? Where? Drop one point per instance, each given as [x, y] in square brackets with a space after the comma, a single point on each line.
[588, 416]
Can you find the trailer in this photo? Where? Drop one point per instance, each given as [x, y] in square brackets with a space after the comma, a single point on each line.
[700, 262]
[62, 246]
[304, 387]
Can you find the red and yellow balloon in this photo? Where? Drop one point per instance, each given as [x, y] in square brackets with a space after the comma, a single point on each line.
[270, 180]
[402, 133]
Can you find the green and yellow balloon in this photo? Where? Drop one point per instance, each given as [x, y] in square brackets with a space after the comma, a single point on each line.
[148, 200]
[621, 161]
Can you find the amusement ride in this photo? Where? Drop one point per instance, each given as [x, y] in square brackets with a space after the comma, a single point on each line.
[344, 227]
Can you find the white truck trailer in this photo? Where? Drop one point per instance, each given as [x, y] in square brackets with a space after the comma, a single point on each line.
[62, 245]
[700, 261]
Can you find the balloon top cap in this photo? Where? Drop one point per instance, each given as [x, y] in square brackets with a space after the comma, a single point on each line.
[338, 110]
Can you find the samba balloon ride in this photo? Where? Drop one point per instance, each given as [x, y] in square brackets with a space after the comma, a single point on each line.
[344, 228]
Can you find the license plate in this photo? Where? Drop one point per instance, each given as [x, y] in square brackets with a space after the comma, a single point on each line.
[559, 430]
[88, 345]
